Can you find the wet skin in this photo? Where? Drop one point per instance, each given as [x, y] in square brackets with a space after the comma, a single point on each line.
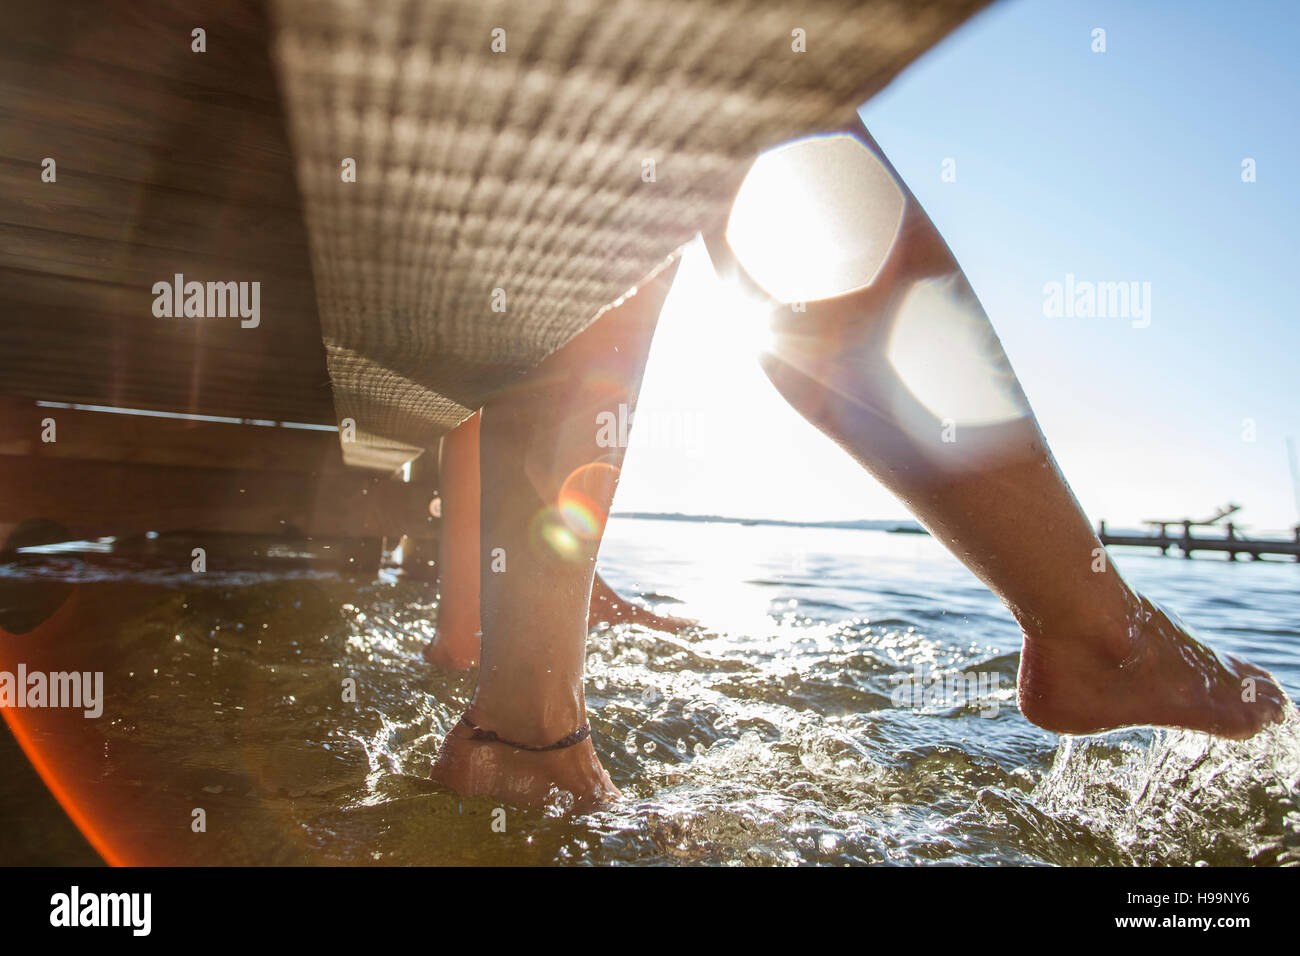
[546, 485]
[456, 644]
[1096, 655]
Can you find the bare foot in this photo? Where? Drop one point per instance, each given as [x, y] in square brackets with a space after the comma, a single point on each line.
[607, 607]
[1155, 674]
[453, 653]
[571, 778]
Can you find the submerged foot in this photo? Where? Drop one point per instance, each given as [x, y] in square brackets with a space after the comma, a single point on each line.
[1156, 674]
[571, 778]
[457, 642]
[453, 653]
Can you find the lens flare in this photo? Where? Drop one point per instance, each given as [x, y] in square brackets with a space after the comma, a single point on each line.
[584, 497]
[550, 535]
[816, 218]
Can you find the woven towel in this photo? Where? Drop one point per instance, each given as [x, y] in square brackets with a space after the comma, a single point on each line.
[541, 157]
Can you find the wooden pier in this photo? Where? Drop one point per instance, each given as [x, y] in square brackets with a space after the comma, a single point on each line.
[1230, 543]
[377, 179]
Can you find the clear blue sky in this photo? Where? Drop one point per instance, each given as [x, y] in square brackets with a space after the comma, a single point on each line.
[1115, 166]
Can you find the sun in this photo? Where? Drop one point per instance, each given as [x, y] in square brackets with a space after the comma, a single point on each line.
[713, 317]
[816, 218]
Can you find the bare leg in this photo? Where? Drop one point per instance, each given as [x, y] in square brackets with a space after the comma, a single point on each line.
[547, 483]
[908, 376]
[456, 645]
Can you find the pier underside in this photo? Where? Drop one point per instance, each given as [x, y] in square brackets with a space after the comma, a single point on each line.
[151, 145]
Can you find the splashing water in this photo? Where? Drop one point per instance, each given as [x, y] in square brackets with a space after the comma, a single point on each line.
[771, 735]
[1175, 797]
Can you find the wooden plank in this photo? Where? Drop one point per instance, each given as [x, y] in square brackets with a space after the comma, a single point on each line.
[86, 153]
[1188, 544]
[98, 498]
[147, 440]
[180, 222]
[168, 161]
[150, 39]
[78, 299]
[85, 270]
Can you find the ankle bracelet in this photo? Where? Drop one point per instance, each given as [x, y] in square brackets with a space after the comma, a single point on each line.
[478, 733]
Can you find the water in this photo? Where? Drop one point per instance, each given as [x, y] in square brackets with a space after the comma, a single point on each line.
[767, 736]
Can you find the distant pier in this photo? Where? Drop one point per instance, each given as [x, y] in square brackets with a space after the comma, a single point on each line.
[1186, 542]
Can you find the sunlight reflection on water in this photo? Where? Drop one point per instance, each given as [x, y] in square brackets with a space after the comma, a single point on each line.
[768, 736]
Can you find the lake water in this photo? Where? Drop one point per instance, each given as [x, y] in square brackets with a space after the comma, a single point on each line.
[773, 734]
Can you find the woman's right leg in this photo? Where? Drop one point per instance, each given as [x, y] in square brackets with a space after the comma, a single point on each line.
[908, 376]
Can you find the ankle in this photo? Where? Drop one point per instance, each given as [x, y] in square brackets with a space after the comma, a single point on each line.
[1111, 627]
[531, 721]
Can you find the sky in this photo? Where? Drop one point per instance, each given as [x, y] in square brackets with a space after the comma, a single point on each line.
[1123, 165]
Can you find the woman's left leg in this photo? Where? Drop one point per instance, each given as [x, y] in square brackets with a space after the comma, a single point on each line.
[547, 481]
